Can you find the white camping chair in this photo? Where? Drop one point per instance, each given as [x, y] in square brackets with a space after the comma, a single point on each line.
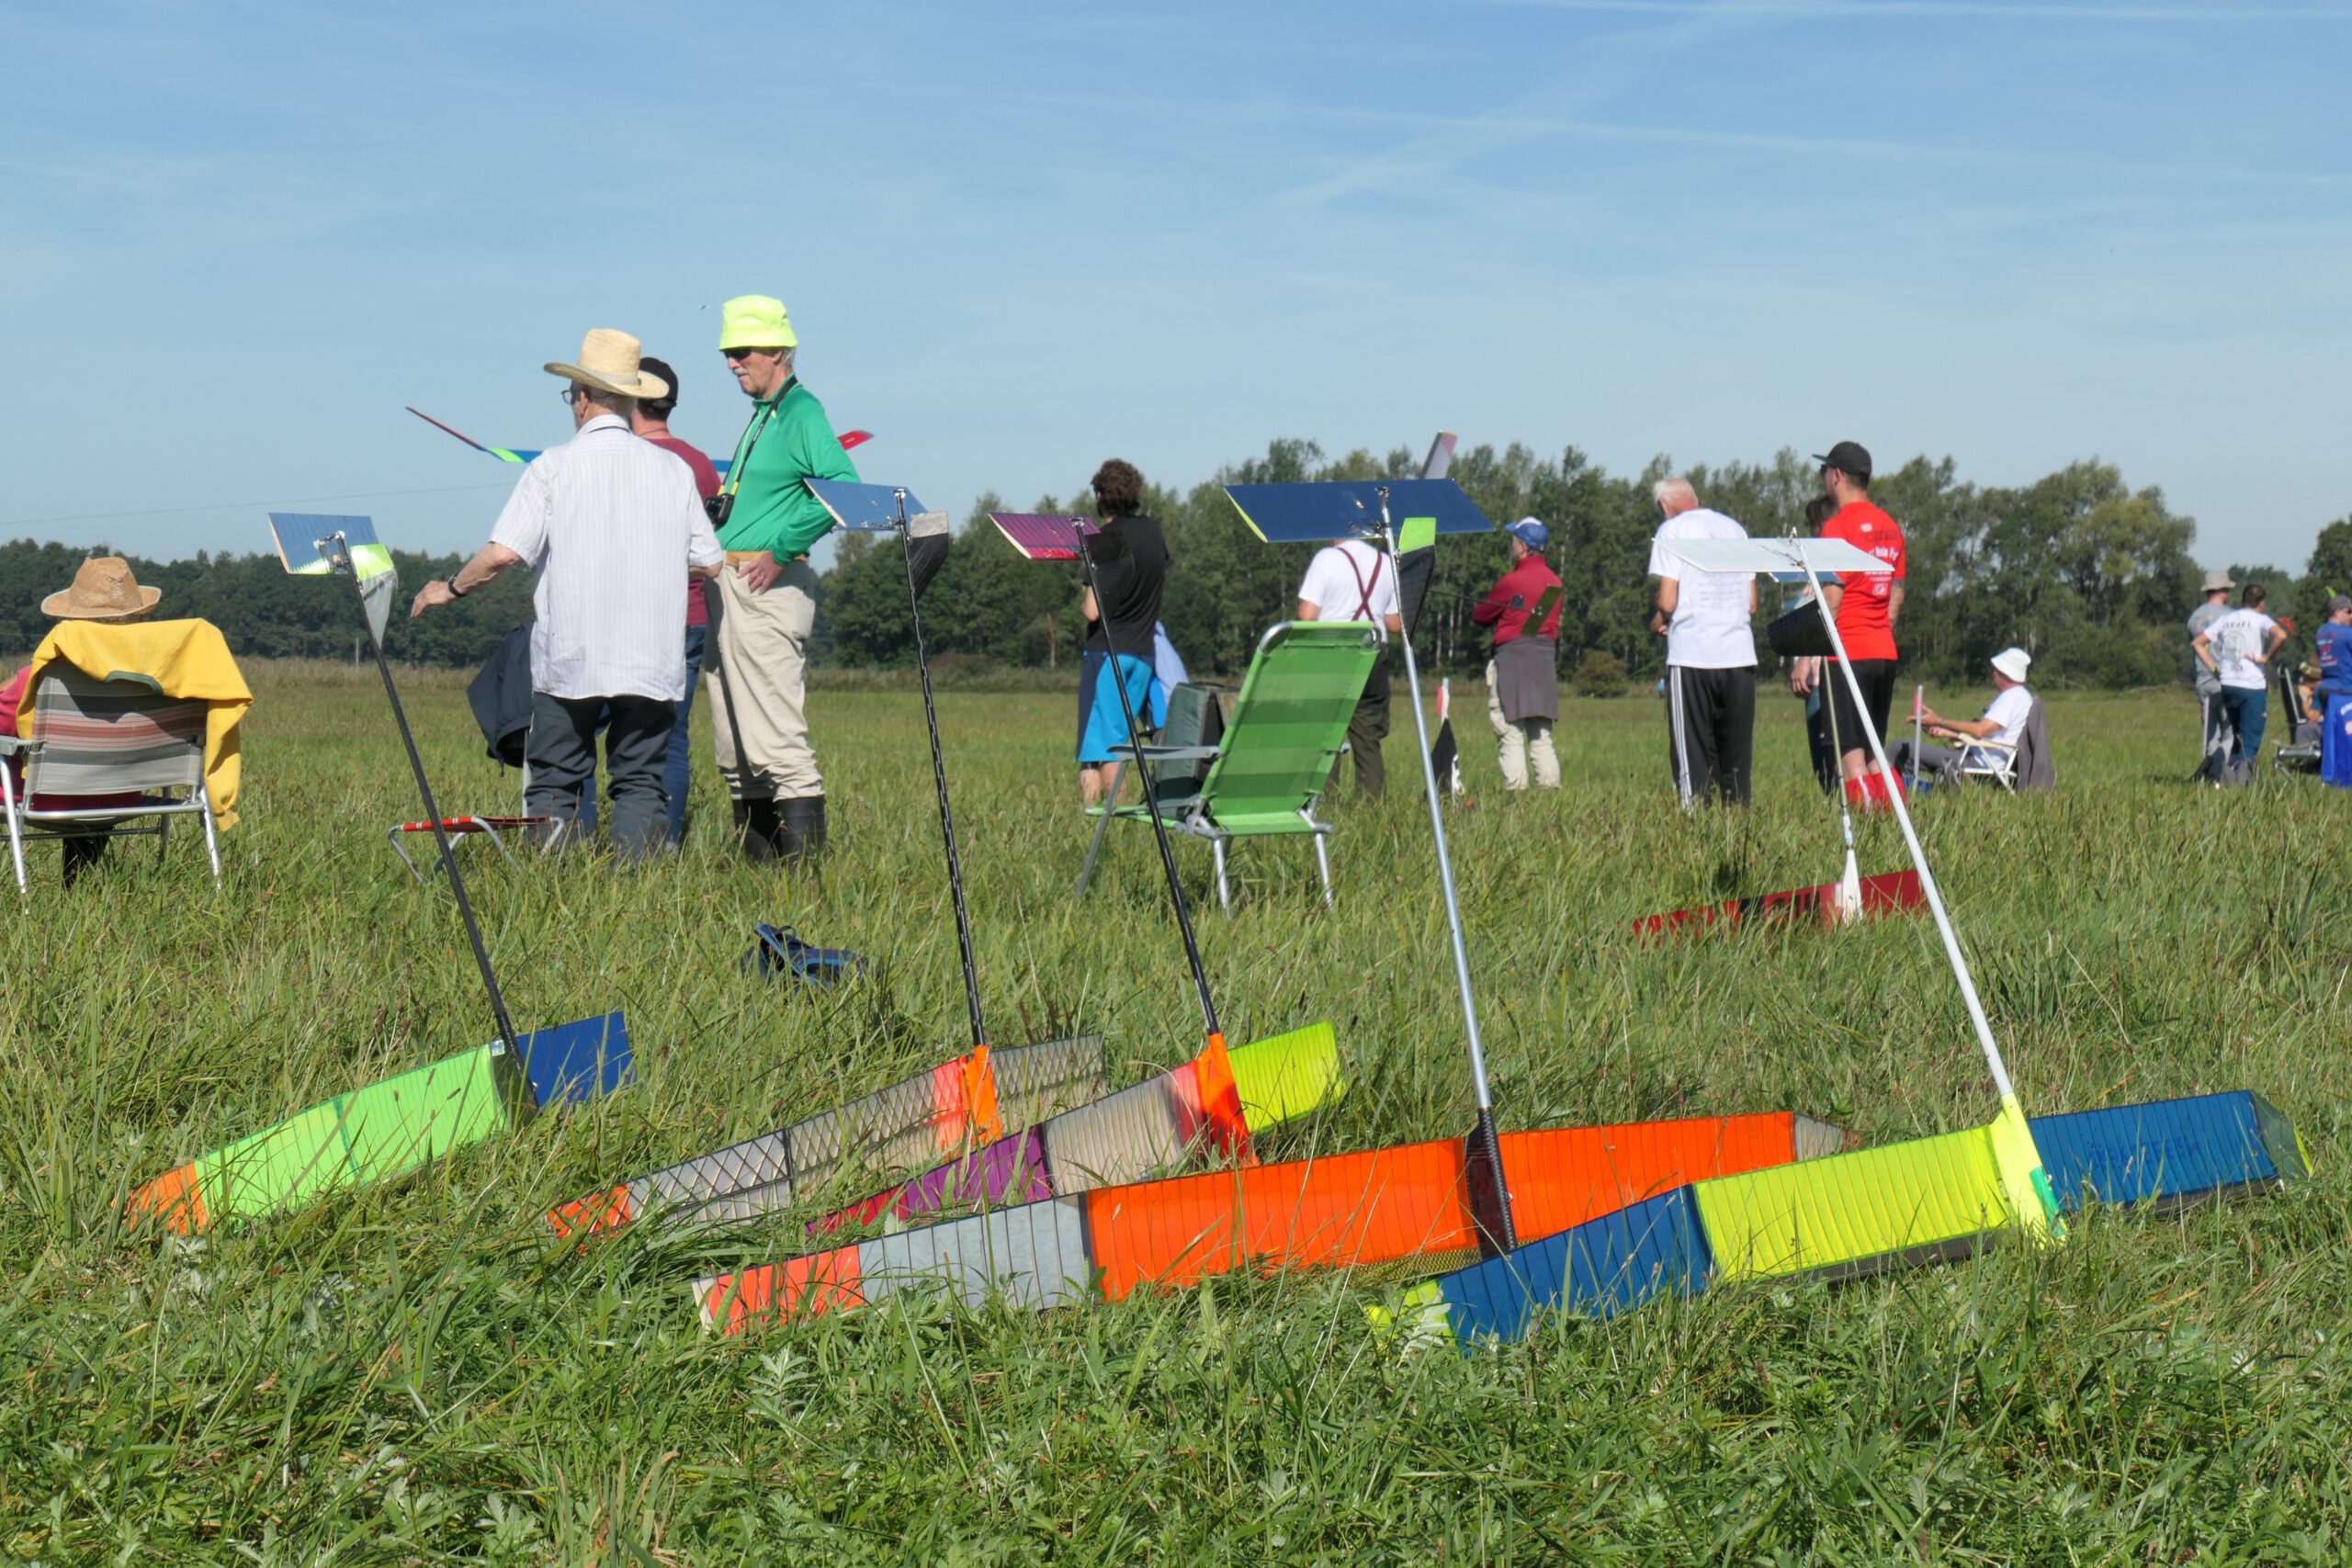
[1994, 759]
[107, 739]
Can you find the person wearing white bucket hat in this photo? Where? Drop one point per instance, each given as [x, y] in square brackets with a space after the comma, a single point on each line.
[615, 527]
[2004, 721]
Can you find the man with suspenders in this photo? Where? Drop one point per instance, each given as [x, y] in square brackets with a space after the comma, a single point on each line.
[1351, 582]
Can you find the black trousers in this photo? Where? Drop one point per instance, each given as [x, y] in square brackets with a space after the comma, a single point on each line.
[637, 751]
[1876, 678]
[1711, 730]
[1368, 727]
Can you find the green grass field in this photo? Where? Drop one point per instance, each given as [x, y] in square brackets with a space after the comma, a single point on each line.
[418, 1373]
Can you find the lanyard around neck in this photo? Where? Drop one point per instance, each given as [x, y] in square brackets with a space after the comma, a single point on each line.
[749, 441]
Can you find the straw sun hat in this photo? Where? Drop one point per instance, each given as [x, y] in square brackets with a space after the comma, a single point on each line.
[104, 590]
[608, 362]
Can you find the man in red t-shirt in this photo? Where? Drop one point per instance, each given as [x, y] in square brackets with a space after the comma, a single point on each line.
[1866, 606]
[651, 420]
[1524, 677]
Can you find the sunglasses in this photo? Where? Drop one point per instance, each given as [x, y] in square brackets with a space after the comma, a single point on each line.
[741, 353]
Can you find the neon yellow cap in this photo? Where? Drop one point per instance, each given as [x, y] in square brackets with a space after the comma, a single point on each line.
[754, 320]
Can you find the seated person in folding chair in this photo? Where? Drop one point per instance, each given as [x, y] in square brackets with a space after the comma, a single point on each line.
[105, 591]
[2004, 724]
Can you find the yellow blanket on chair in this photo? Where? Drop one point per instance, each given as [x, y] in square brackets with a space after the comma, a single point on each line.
[176, 659]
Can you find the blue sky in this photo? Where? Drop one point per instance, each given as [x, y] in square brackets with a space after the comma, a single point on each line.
[236, 239]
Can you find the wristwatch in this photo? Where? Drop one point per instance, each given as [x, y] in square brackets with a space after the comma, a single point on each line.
[455, 591]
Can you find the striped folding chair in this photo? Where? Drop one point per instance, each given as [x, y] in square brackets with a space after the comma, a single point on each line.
[1268, 770]
[103, 754]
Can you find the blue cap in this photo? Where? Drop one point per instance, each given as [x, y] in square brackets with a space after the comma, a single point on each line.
[1530, 533]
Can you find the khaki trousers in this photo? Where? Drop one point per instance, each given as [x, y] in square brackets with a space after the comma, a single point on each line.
[1515, 742]
[759, 696]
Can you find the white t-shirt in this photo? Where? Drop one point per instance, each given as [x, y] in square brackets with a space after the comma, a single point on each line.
[1711, 627]
[2233, 640]
[2009, 709]
[1351, 582]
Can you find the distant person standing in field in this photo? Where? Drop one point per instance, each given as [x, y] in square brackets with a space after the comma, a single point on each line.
[614, 529]
[1132, 569]
[1867, 604]
[1351, 582]
[651, 420]
[2217, 589]
[1804, 674]
[2334, 641]
[1708, 621]
[766, 605]
[1524, 676]
[2236, 648]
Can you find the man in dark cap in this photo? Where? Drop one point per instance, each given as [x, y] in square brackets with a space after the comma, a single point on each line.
[1866, 606]
[651, 420]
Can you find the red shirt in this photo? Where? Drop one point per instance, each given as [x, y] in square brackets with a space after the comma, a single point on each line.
[1862, 623]
[1526, 582]
[706, 481]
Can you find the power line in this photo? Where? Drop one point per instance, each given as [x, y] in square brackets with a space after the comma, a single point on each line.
[234, 506]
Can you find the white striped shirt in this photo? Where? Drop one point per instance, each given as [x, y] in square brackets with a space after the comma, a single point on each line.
[612, 523]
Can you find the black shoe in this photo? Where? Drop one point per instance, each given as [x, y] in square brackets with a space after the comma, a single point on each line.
[804, 828]
[756, 825]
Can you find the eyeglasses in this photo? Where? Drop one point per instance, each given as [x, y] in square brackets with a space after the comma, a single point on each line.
[574, 393]
[747, 353]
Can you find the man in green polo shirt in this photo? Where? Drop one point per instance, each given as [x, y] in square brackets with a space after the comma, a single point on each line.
[764, 606]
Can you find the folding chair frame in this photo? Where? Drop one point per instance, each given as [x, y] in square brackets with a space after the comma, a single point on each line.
[22, 815]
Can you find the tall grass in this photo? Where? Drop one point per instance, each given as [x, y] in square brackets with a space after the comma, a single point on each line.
[419, 1372]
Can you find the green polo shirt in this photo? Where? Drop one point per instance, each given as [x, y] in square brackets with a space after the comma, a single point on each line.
[773, 511]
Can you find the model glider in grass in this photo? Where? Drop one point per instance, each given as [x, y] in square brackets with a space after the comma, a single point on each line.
[1167, 1120]
[1913, 1201]
[391, 1128]
[950, 1109]
[1399, 517]
[1827, 904]
[1860, 1213]
[851, 440]
[1404, 1211]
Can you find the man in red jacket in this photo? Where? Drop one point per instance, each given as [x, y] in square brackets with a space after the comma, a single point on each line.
[1524, 677]
[1866, 605]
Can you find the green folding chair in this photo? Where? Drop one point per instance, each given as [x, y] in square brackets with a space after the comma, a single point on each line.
[1287, 729]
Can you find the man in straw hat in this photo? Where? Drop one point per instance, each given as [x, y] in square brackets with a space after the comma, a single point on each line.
[615, 528]
[2217, 590]
[764, 607]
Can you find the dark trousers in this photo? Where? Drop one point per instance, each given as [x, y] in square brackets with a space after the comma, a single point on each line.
[2245, 712]
[1367, 727]
[678, 776]
[1817, 737]
[563, 764]
[1710, 733]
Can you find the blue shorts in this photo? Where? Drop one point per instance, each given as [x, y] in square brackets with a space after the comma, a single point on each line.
[1102, 723]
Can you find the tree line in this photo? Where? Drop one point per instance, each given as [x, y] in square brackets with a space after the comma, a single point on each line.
[2091, 576]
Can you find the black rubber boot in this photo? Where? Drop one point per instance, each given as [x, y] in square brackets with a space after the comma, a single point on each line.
[804, 828]
[756, 825]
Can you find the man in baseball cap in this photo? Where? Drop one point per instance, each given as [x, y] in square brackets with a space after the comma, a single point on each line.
[1866, 605]
[764, 606]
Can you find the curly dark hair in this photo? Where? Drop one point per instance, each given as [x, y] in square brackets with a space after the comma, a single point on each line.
[1118, 488]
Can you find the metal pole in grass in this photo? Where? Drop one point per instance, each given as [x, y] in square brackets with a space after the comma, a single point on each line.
[938, 765]
[1110, 545]
[336, 549]
[1489, 1197]
[2020, 1162]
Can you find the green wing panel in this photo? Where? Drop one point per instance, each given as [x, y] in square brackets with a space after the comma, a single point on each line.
[1286, 1075]
[1847, 1213]
[415, 1117]
[278, 1166]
